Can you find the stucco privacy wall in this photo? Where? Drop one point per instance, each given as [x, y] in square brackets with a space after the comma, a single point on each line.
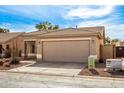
[108, 52]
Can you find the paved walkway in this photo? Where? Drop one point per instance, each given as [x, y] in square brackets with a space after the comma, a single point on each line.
[51, 68]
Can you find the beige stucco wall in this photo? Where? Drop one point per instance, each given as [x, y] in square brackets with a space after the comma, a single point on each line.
[96, 46]
[108, 52]
[15, 43]
[98, 43]
[95, 43]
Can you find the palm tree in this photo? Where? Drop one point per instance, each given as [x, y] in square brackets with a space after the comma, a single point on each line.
[3, 30]
[46, 26]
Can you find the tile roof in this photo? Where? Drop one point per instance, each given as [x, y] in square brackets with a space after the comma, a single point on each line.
[100, 29]
[68, 32]
[34, 33]
[83, 30]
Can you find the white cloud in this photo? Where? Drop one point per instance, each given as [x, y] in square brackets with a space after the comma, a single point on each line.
[90, 23]
[30, 11]
[100, 22]
[18, 27]
[23, 28]
[112, 29]
[5, 25]
[88, 11]
[91, 16]
[115, 31]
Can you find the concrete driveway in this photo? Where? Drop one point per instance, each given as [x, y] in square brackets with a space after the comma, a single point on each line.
[52, 68]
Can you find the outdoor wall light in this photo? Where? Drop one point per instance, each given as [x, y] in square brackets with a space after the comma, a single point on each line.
[120, 48]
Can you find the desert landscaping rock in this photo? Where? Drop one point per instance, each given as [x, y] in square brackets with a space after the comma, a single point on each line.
[6, 64]
[100, 72]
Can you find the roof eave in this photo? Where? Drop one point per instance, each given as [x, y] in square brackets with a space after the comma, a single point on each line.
[75, 35]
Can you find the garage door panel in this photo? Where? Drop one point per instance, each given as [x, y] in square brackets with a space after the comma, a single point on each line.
[66, 51]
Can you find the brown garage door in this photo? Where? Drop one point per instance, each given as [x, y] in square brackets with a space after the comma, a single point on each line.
[65, 51]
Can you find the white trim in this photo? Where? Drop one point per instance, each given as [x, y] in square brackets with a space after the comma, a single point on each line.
[28, 54]
[30, 39]
[31, 54]
[63, 39]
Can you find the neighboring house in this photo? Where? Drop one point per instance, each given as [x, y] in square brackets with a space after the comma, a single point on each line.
[13, 41]
[64, 45]
[119, 43]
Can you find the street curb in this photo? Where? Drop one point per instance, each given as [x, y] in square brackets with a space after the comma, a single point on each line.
[76, 76]
[36, 73]
[103, 78]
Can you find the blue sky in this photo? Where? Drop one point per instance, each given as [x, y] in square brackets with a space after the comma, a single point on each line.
[23, 18]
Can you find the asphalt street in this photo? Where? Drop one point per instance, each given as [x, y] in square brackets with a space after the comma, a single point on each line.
[19, 80]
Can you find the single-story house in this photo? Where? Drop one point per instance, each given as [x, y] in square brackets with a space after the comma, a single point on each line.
[64, 45]
[13, 41]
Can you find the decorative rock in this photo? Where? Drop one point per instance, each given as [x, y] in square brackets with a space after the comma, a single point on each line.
[6, 64]
[105, 70]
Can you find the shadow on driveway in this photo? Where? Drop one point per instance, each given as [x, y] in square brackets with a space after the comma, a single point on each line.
[65, 65]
